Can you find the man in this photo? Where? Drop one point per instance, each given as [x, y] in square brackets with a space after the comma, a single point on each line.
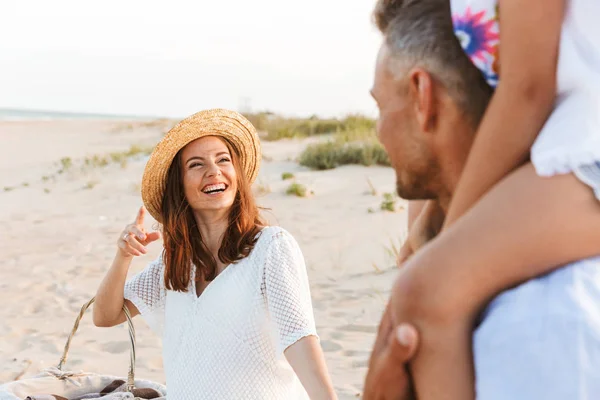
[552, 356]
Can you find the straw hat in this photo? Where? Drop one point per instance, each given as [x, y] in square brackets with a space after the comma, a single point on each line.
[230, 125]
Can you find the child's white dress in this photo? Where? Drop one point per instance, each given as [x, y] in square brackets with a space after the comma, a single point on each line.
[229, 342]
[570, 138]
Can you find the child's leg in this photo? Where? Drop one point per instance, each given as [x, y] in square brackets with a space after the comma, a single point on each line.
[524, 227]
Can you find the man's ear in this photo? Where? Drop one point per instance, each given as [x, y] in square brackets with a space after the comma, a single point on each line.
[421, 89]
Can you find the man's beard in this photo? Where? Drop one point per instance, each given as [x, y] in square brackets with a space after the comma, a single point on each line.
[418, 186]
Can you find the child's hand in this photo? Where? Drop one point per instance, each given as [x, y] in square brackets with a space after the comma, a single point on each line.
[387, 377]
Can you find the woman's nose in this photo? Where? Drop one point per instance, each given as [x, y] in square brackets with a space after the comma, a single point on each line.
[213, 170]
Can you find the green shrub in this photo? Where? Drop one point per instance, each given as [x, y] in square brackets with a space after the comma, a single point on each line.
[91, 184]
[388, 203]
[277, 127]
[358, 122]
[335, 153]
[66, 163]
[297, 189]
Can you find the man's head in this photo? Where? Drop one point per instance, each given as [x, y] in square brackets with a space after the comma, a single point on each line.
[430, 96]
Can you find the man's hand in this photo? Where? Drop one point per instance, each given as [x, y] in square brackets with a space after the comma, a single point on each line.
[424, 228]
[388, 377]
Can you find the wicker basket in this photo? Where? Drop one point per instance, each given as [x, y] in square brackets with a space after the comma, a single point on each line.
[73, 385]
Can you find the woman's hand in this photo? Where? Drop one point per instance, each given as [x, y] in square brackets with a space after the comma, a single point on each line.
[133, 240]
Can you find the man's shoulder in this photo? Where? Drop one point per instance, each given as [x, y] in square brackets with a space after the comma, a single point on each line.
[541, 339]
[571, 291]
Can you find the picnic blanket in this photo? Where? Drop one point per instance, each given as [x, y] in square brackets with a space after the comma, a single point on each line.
[114, 391]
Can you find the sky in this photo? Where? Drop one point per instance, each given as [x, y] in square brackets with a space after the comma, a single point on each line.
[173, 58]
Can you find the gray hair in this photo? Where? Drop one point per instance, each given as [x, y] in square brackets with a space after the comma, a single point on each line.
[420, 33]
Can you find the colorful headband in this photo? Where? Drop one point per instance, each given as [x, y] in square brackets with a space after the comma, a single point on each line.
[476, 27]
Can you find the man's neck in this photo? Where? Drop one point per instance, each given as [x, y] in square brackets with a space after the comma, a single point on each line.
[456, 138]
[451, 169]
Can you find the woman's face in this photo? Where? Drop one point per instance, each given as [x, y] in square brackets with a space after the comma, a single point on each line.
[209, 177]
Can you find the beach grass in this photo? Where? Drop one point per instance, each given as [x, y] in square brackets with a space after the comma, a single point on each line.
[276, 127]
[388, 203]
[346, 147]
[297, 189]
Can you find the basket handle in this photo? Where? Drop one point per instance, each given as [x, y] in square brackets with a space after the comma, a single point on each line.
[131, 372]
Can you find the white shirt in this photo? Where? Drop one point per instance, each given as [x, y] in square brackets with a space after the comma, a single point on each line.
[570, 137]
[228, 343]
[541, 340]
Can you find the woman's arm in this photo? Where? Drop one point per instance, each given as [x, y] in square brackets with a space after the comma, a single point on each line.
[307, 359]
[108, 307]
[529, 41]
[289, 303]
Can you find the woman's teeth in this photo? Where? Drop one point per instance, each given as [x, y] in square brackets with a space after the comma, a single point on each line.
[220, 187]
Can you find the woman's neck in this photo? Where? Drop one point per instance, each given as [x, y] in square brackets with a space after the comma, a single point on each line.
[212, 229]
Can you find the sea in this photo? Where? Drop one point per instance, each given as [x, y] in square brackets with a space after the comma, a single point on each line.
[10, 114]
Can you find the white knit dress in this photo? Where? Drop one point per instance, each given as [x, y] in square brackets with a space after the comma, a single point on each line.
[228, 343]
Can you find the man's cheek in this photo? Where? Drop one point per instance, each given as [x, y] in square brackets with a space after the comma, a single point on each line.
[384, 136]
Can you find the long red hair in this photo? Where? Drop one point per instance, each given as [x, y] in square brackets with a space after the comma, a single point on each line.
[183, 244]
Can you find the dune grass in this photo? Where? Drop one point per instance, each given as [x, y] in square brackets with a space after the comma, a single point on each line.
[99, 161]
[276, 127]
[262, 188]
[347, 147]
[388, 203]
[354, 139]
[297, 189]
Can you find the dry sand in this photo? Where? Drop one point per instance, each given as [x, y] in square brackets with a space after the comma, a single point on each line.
[59, 233]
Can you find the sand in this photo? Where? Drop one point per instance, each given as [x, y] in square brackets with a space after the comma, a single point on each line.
[59, 232]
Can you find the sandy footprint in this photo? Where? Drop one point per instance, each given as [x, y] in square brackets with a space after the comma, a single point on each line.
[358, 328]
[50, 347]
[330, 346]
[115, 347]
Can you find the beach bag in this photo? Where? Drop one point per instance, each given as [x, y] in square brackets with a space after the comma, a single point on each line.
[57, 384]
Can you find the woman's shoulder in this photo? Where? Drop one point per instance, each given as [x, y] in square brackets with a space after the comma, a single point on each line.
[279, 254]
[275, 239]
[270, 234]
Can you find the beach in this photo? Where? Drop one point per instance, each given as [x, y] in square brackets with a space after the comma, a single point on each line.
[69, 187]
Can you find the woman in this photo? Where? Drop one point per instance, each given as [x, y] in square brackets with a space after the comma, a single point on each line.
[229, 295]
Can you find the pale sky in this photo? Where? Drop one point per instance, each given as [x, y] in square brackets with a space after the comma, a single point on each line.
[172, 57]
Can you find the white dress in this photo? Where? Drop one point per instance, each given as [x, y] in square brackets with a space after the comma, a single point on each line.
[228, 343]
[570, 137]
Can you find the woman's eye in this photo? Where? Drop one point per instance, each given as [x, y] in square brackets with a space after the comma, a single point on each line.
[192, 165]
[224, 159]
